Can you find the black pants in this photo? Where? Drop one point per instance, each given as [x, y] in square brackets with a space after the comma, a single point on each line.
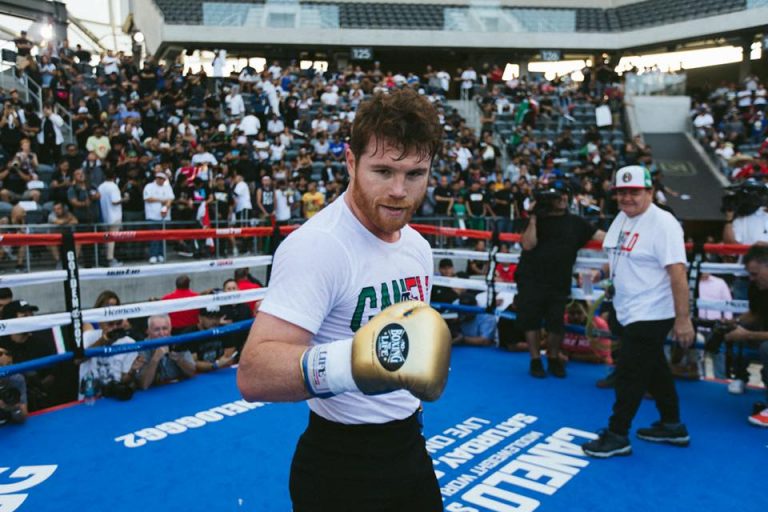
[642, 367]
[363, 468]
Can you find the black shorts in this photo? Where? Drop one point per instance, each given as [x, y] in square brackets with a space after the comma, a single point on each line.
[356, 468]
[533, 307]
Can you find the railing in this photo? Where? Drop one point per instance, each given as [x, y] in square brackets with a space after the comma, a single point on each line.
[655, 83]
[31, 91]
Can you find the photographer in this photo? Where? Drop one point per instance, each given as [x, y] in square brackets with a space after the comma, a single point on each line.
[113, 375]
[550, 241]
[13, 389]
[752, 327]
[746, 218]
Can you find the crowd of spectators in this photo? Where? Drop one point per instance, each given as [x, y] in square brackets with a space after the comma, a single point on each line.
[120, 375]
[181, 148]
[730, 122]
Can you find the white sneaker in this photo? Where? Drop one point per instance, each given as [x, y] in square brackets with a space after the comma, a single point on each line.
[736, 387]
[161, 259]
[235, 252]
[153, 260]
[115, 263]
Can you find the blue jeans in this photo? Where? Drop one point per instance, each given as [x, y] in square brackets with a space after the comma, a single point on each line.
[156, 247]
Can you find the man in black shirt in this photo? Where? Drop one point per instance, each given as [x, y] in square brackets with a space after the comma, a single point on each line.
[443, 197]
[551, 241]
[478, 206]
[752, 326]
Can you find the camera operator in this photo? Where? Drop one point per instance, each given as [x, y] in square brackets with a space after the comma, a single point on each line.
[550, 241]
[746, 218]
[752, 327]
[13, 389]
[113, 375]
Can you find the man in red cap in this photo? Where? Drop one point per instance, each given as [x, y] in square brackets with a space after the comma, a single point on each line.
[647, 260]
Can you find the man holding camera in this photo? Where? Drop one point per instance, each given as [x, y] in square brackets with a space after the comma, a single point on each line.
[117, 371]
[746, 219]
[551, 241]
[752, 327]
[13, 389]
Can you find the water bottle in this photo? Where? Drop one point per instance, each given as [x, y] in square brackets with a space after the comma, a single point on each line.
[586, 284]
[89, 389]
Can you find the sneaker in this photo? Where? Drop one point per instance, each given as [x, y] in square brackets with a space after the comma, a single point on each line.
[537, 369]
[235, 252]
[114, 263]
[608, 382]
[736, 387]
[153, 260]
[607, 445]
[760, 419]
[556, 367]
[185, 254]
[161, 259]
[672, 433]
[758, 407]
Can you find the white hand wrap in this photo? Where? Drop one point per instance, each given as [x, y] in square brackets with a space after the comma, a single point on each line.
[327, 369]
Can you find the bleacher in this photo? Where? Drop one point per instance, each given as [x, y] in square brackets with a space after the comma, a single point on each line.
[398, 16]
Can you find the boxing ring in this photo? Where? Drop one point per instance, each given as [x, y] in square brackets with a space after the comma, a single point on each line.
[500, 440]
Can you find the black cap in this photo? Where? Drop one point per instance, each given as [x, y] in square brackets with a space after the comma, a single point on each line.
[17, 306]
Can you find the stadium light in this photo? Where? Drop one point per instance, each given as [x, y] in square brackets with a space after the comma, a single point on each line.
[46, 32]
[138, 37]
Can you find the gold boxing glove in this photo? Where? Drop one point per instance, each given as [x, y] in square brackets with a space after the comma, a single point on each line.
[406, 346]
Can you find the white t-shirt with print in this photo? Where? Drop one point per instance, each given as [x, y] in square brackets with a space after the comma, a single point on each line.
[639, 250]
[105, 369]
[330, 277]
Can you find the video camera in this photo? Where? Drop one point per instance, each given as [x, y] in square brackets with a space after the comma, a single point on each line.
[745, 198]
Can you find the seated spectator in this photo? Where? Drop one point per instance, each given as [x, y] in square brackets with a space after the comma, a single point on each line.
[182, 320]
[505, 271]
[112, 375]
[245, 281]
[45, 387]
[163, 364]
[585, 347]
[477, 329]
[17, 218]
[6, 296]
[478, 267]
[213, 353]
[11, 410]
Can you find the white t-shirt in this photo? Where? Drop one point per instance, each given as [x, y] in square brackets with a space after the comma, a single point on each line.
[105, 369]
[110, 193]
[282, 205]
[639, 250]
[250, 125]
[164, 192]
[242, 197]
[330, 277]
[752, 228]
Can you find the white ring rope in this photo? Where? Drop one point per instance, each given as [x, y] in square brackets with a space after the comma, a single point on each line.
[90, 274]
[139, 309]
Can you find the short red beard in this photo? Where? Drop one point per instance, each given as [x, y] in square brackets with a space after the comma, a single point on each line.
[369, 206]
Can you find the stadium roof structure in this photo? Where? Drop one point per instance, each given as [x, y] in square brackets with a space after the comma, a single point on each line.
[476, 24]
